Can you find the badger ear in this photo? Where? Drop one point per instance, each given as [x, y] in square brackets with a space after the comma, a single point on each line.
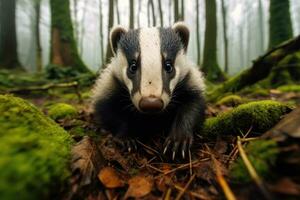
[115, 36]
[183, 32]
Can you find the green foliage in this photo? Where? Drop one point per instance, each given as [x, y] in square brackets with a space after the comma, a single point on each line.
[260, 115]
[262, 155]
[289, 88]
[231, 100]
[280, 22]
[61, 111]
[34, 151]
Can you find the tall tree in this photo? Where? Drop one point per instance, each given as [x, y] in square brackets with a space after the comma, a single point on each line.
[182, 10]
[224, 16]
[109, 52]
[210, 64]
[261, 27]
[131, 14]
[39, 58]
[280, 22]
[82, 31]
[151, 6]
[161, 16]
[8, 37]
[117, 11]
[75, 13]
[63, 45]
[176, 11]
[198, 33]
[101, 31]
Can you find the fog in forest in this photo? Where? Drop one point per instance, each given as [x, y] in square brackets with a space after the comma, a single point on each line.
[246, 39]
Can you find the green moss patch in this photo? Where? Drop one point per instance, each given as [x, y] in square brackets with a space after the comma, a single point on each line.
[260, 115]
[262, 155]
[289, 88]
[231, 100]
[61, 111]
[34, 151]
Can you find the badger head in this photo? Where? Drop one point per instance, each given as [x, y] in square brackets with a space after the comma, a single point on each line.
[150, 62]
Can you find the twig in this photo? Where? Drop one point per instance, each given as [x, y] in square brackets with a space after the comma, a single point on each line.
[259, 182]
[224, 185]
[168, 194]
[191, 166]
[185, 187]
[194, 194]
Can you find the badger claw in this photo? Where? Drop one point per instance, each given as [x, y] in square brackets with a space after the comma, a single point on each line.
[182, 143]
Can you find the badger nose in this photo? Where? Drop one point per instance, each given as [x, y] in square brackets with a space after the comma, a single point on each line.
[151, 104]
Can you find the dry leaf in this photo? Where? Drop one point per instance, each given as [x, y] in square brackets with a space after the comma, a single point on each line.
[139, 186]
[110, 178]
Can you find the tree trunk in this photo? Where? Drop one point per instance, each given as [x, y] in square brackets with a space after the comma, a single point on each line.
[260, 69]
[210, 64]
[280, 22]
[109, 53]
[76, 20]
[182, 11]
[8, 36]
[224, 15]
[160, 14]
[39, 58]
[170, 12]
[117, 11]
[131, 14]
[176, 11]
[63, 45]
[151, 6]
[261, 26]
[101, 32]
[198, 33]
[280, 26]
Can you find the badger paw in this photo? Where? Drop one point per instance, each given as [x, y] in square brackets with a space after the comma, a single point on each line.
[178, 142]
[128, 144]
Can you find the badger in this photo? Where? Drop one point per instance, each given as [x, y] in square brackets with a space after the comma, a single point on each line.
[150, 87]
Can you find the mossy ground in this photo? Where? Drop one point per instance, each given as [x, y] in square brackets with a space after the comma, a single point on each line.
[259, 115]
[231, 100]
[262, 155]
[34, 151]
[62, 110]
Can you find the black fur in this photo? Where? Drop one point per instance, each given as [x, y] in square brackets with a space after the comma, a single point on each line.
[183, 116]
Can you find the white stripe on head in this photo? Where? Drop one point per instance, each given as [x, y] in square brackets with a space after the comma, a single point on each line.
[151, 66]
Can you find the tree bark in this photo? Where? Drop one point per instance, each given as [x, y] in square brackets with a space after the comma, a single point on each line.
[161, 16]
[131, 14]
[39, 58]
[63, 45]
[210, 64]
[101, 32]
[109, 53]
[198, 33]
[151, 6]
[117, 11]
[224, 15]
[260, 69]
[280, 22]
[8, 36]
[182, 11]
[176, 11]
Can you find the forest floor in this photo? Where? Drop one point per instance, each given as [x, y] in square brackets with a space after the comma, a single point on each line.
[231, 166]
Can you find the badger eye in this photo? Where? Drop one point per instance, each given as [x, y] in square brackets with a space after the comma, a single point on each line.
[133, 67]
[168, 67]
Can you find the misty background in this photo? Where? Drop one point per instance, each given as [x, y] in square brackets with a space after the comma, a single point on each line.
[246, 39]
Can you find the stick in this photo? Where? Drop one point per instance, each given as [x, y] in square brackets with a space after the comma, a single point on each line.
[185, 187]
[259, 182]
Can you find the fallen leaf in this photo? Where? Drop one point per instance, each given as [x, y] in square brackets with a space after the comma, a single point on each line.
[139, 186]
[110, 178]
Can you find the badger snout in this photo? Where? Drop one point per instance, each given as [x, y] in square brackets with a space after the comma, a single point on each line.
[151, 104]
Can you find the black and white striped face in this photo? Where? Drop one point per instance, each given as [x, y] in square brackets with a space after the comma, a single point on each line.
[150, 60]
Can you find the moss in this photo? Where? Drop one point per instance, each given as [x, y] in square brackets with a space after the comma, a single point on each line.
[260, 115]
[289, 88]
[34, 151]
[61, 111]
[231, 100]
[262, 155]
